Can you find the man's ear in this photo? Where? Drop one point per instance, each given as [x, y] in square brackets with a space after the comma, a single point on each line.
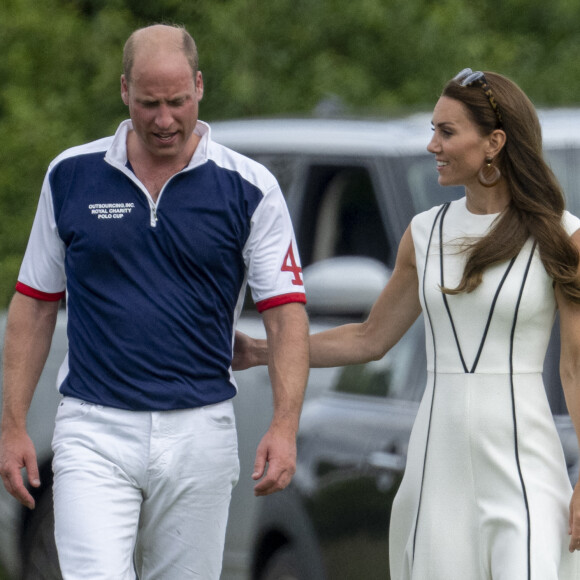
[124, 90]
[198, 85]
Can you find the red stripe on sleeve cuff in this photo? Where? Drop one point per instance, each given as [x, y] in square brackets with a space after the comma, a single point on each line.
[33, 293]
[280, 300]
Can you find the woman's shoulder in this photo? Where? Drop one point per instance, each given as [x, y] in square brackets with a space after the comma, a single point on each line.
[422, 224]
[570, 222]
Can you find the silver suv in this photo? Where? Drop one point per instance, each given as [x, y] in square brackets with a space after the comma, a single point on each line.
[352, 187]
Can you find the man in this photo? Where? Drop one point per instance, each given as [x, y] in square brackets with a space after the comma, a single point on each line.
[152, 234]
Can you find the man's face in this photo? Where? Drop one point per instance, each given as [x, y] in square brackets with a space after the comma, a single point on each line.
[163, 99]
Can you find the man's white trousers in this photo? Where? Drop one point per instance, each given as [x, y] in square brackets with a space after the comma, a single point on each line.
[143, 493]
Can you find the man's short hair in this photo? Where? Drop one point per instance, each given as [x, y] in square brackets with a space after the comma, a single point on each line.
[188, 46]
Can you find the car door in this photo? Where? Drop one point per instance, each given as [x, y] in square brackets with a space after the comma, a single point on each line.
[352, 453]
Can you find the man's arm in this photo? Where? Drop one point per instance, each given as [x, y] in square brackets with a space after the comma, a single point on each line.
[287, 332]
[29, 331]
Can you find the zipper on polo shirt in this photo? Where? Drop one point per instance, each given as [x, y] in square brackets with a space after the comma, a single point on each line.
[153, 218]
[128, 171]
[152, 214]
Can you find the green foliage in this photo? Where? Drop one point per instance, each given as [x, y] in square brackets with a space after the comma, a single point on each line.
[60, 87]
[62, 62]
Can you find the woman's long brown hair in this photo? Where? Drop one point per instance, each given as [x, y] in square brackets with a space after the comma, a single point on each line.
[537, 201]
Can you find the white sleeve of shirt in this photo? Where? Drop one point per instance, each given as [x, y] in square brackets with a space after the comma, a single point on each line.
[271, 255]
[43, 264]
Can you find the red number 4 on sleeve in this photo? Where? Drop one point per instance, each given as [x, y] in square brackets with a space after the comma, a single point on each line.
[290, 265]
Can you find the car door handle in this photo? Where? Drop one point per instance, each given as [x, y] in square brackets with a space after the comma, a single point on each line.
[387, 461]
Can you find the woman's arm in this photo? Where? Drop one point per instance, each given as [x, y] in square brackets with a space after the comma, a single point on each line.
[570, 376]
[391, 316]
[393, 313]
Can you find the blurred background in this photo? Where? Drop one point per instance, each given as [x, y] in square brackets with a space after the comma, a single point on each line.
[61, 63]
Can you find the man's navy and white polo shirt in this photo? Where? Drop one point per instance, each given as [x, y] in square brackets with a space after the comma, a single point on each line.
[154, 290]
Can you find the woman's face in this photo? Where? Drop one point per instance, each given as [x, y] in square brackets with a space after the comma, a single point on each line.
[459, 148]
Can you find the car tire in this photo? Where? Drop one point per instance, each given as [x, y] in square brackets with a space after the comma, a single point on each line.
[39, 554]
[283, 565]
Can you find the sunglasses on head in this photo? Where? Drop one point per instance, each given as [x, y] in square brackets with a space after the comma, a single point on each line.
[467, 78]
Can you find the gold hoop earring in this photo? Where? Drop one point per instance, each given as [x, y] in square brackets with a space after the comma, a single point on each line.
[489, 175]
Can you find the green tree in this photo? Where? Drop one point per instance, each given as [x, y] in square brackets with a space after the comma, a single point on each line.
[62, 62]
[60, 88]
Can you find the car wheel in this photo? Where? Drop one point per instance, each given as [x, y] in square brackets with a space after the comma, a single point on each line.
[283, 565]
[39, 555]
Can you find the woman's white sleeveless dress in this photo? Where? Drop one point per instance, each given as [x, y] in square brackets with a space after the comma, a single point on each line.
[485, 493]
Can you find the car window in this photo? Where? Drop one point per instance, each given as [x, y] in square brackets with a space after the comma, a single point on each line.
[400, 374]
[283, 166]
[420, 178]
[565, 164]
[340, 215]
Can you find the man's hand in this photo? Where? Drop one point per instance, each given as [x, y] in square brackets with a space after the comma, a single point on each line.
[16, 453]
[27, 339]
[275, 461]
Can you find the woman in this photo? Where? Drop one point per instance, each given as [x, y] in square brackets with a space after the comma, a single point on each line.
[485, 494]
